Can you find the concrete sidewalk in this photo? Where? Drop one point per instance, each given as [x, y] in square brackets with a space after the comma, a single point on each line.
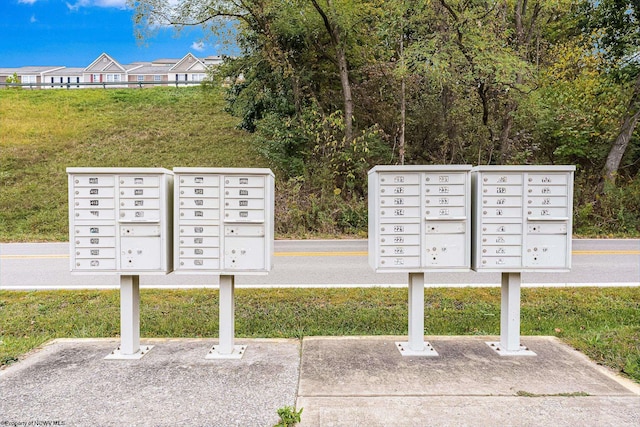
[338, 381]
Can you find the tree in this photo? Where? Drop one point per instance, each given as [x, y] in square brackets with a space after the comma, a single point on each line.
[618, 24]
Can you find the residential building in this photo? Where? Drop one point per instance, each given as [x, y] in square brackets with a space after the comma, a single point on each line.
[105, 71]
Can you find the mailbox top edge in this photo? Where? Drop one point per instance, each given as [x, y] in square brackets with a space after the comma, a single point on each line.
[227, 171]
[524, 168]
[421, 168]
[117, 170]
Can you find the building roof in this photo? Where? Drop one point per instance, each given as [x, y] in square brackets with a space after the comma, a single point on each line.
[71, 71]
[105, 63]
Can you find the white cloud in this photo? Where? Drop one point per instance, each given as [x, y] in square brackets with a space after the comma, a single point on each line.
[33, 19]
[199, 46]
[27, 1]
[120, 4]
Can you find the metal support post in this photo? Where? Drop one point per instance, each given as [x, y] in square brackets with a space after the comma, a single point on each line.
[226, 348]
[129, 321]
[416, 346]
[509, 344]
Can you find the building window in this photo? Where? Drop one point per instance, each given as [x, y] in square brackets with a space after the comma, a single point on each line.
[96, 78]
[116, 77]
[28, 79]
[157, 78]
[140, 78]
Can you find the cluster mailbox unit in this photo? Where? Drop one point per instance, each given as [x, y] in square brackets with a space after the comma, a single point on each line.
[223, 225]
[120, 223]
[419, 221]
[130, 222]
[223, 220]
[522, 223]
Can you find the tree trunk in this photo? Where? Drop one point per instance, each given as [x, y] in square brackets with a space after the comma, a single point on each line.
[346, 93]
[616, 153]
[403, 103]
[343, 68]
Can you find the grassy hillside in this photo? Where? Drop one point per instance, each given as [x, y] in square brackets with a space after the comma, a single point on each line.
[42, 132]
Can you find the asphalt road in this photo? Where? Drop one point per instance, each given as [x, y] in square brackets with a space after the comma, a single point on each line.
[321, 263]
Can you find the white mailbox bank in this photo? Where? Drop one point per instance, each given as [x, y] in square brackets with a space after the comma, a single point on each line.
[120, 223]
[522, 223]
[419, 221]
[223, 225]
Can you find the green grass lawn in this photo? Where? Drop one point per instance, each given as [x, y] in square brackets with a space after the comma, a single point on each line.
[604, 323]
[45, 131]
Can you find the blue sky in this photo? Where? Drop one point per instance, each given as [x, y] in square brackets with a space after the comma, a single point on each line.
[75, 32]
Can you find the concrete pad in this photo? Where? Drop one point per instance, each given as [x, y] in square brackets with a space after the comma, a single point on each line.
[365, 381]
[173, 385]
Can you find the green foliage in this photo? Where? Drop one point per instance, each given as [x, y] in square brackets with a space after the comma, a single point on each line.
[288, 416]
[13, 79]
[614, 211]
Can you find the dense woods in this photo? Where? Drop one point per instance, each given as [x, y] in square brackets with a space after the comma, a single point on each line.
[333, 87]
